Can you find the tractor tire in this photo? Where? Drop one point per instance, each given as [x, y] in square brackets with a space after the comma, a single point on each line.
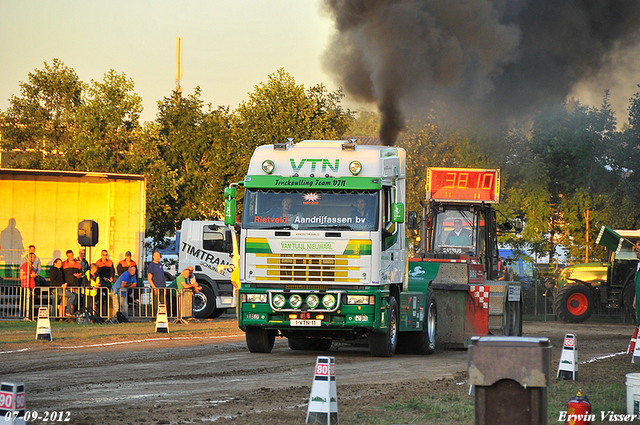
[573, 303]
[309, 344]
[383, 344]
[423, 342]
[260, 340]
[628, 295]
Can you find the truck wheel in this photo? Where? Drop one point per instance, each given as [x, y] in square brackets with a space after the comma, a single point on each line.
[383, 344]
[423, 342]
[627, 297]
[573, 303]
[309, 344]
[513, 318]
[260, 340]
[204, 303]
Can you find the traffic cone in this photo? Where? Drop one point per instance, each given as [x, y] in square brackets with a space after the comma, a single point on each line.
[43, 328]
[162, 321]
[632, 344]
[12, 403]
[323, 401]
[568, 365]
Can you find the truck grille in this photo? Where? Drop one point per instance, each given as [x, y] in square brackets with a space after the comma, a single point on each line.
[308, 268]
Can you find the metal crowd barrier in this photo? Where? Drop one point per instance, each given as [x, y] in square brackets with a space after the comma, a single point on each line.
[97, 304]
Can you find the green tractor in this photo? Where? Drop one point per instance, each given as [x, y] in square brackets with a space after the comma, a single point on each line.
[584, 288]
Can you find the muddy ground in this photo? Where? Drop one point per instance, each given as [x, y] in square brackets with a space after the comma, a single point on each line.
[214, 379]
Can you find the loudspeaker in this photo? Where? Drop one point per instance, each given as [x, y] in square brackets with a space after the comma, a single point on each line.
[88, 233]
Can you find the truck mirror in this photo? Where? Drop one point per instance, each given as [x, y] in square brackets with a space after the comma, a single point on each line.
[228, 241]
[230, 212]
[397, 212]
[412, 220]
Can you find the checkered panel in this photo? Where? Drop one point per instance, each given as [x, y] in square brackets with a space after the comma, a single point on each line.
[481, 294]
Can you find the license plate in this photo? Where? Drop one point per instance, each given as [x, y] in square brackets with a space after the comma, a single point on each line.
[299, 322]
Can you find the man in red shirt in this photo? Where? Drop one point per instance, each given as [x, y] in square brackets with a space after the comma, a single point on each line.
[124, 265]
[27, 283]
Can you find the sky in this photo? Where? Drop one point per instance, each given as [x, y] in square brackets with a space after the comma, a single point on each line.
[229, 47]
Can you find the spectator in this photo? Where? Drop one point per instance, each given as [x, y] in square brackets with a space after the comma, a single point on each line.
[157, 279]
[56, 276]
[124, 265]
[27, 273]
[27, 282]
[82, 259]
[90, 285]
[37, 267]
[72, 270]
[105, 269]
[72, 273]
[128, 279]
[186, 279]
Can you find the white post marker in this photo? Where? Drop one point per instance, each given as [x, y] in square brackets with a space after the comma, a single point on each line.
[568, 365]
[162, 322]
[43, 328]
[323, 402]
[12, 403]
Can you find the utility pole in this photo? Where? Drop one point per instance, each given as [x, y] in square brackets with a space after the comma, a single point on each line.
[178, 63]
[586, 216]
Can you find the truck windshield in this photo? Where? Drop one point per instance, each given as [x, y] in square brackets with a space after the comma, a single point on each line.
[311, 209]
[455, 232]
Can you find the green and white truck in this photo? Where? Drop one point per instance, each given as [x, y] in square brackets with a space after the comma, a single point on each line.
[322, 249]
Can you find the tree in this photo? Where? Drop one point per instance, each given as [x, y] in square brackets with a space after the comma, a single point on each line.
[42, 117]
[186, 162]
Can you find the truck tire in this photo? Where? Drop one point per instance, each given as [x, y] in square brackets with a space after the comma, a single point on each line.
[204, 302]
[259, 340]
[512, 325]
[383, 344]
[573, 303]
[628, 296]
[309, 344]
[423, 342]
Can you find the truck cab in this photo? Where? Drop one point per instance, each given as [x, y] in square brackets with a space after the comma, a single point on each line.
[208, 247]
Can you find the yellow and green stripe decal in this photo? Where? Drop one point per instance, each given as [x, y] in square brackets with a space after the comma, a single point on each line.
[358, 247]
[258, 246]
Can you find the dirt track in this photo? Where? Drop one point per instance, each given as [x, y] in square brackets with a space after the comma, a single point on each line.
[216, 379]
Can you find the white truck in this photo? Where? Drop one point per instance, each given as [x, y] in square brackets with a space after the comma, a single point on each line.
[208, 247]
[322, 250]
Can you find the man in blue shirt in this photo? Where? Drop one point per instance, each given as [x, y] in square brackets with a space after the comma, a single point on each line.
[128, 279]
[157, 280]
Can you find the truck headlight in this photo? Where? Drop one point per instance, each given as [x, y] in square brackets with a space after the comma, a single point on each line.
[256, 298]
[278, 300]
[268, 166]
[295, 301]
[355, 167]
[357, 299]
[329, 301]
[313, 301]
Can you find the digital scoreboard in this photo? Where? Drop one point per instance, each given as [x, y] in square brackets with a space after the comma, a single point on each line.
[472, 185]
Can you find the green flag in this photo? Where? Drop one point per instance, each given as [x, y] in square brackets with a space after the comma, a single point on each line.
[609, 239]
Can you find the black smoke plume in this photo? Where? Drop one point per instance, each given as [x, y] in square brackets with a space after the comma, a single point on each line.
[483, 61]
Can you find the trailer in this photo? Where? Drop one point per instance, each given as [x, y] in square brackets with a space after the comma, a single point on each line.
[51, 210]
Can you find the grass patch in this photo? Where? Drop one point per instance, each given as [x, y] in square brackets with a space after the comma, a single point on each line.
[21, 333]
